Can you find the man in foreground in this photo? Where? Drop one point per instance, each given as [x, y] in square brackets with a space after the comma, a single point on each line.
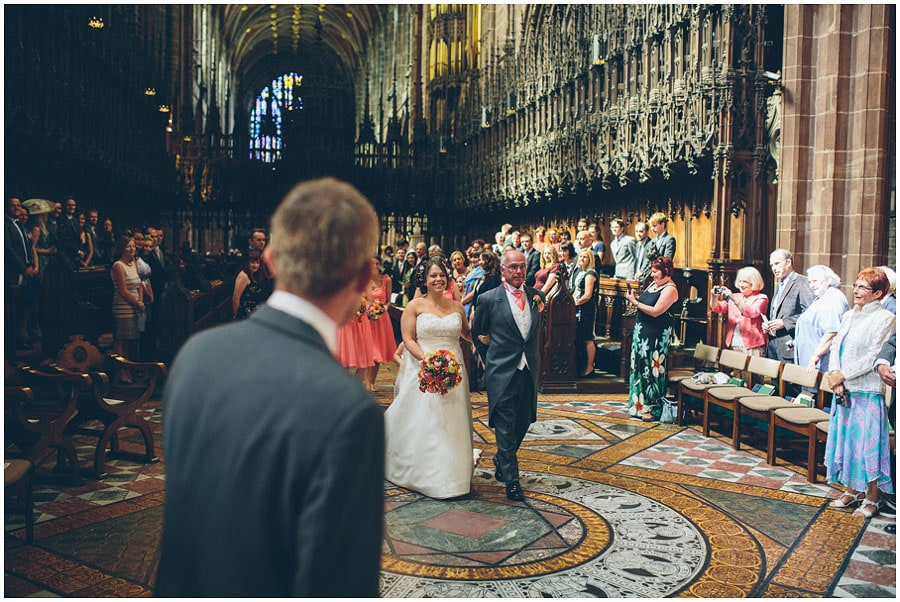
[274, 453]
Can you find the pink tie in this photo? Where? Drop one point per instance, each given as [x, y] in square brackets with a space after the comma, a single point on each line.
[520, 302]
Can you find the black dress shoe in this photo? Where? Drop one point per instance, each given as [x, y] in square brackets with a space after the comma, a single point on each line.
[514, 491]
[892, 529]
[497, 474]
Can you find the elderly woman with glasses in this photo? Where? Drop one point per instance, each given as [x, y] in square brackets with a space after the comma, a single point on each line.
[857, 453]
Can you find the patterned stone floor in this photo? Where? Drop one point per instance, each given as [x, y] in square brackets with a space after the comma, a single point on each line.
[614, 508]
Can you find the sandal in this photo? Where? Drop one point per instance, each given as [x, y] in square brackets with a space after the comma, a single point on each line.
[862, 511]
[853, 500]
[648, 417]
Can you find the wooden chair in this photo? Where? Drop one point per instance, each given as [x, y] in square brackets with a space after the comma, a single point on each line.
[40, 415]
[706, 357]
[111, 401]
[17, 482]
[760, 406]
[818, 433]
[759, 369]
[797, 420]
[688, 387]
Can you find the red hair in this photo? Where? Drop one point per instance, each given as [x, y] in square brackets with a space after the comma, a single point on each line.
[664, 265]
[876, 279]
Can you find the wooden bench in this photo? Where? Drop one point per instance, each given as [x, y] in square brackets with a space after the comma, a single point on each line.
[109, 400]
[37, 416]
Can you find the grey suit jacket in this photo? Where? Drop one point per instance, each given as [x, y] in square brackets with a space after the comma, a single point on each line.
[795, 298]
[274, 467]
[533, 261]
[665, 245]
[494, 318]
[624, 251]
[643, 262]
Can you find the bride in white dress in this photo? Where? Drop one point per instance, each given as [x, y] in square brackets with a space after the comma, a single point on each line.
[429, 435]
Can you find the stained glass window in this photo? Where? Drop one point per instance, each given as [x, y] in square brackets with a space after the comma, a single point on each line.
[268, 114]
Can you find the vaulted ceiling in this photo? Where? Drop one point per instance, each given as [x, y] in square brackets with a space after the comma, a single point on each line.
[324, 39]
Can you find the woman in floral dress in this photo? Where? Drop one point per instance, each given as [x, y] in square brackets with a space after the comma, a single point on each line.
[650, 347]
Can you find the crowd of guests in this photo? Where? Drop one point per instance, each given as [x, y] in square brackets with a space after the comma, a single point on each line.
[475, 270]
[46, 240]
[810, 322]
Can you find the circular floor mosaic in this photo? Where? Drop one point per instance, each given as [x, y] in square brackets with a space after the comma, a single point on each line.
[570, 538]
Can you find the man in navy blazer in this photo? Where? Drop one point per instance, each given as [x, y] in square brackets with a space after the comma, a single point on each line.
[506, 333]
[274, 453]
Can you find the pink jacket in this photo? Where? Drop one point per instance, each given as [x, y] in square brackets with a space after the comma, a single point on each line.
[750, 319]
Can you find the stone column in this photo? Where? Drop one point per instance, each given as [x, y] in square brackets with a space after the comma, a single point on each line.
[837, 150]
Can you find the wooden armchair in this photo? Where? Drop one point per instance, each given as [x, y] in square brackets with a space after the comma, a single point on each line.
[113, 401]
[37, 417]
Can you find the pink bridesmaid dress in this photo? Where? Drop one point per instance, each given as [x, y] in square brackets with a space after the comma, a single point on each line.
[383, 344]
[354, 343]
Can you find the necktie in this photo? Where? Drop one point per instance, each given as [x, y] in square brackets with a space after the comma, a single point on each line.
[520, 302]
[777, 296]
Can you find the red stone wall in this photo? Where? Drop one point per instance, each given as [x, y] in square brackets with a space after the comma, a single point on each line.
[837, 155]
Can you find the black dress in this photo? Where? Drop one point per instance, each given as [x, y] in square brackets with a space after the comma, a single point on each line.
[586, 313]
[252, 297]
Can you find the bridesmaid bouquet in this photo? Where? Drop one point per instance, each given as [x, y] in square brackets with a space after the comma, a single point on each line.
[375, 310]
[440, 372]
[362, 310]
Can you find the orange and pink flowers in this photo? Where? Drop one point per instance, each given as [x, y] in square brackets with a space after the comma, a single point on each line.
[440, 372]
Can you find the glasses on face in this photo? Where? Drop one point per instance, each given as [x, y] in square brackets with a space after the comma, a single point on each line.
[862, 287]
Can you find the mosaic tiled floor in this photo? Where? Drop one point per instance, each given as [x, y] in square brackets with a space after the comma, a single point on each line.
[614, 508]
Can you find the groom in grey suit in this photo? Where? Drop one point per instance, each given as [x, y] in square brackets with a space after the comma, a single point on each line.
[506, 332]
[274, 453]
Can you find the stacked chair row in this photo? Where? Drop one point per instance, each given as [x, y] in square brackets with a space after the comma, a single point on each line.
[775, 410]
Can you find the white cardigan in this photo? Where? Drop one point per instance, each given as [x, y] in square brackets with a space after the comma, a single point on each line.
[857, 343]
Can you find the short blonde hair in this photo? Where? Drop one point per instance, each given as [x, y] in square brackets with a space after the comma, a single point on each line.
[751, 275]
[590, 255]
[323, 234]
[658, 218]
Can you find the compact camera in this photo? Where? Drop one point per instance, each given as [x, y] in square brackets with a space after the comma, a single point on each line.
[720, 290]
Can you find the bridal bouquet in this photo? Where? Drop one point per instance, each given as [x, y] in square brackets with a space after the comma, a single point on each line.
[375, 310]
[440, 372]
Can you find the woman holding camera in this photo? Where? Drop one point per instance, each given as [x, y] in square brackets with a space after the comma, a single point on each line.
[745, 311]
[857, 453]
[650, 347]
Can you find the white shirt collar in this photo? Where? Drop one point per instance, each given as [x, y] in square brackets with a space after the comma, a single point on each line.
[303, 310]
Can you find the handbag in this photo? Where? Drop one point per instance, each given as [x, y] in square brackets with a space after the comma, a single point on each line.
[669, 410]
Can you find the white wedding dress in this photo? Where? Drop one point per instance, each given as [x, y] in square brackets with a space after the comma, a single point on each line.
[429, 435]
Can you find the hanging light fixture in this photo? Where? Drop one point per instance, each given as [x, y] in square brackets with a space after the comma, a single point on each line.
[150, 91]
[96, 23]
[163, 108]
